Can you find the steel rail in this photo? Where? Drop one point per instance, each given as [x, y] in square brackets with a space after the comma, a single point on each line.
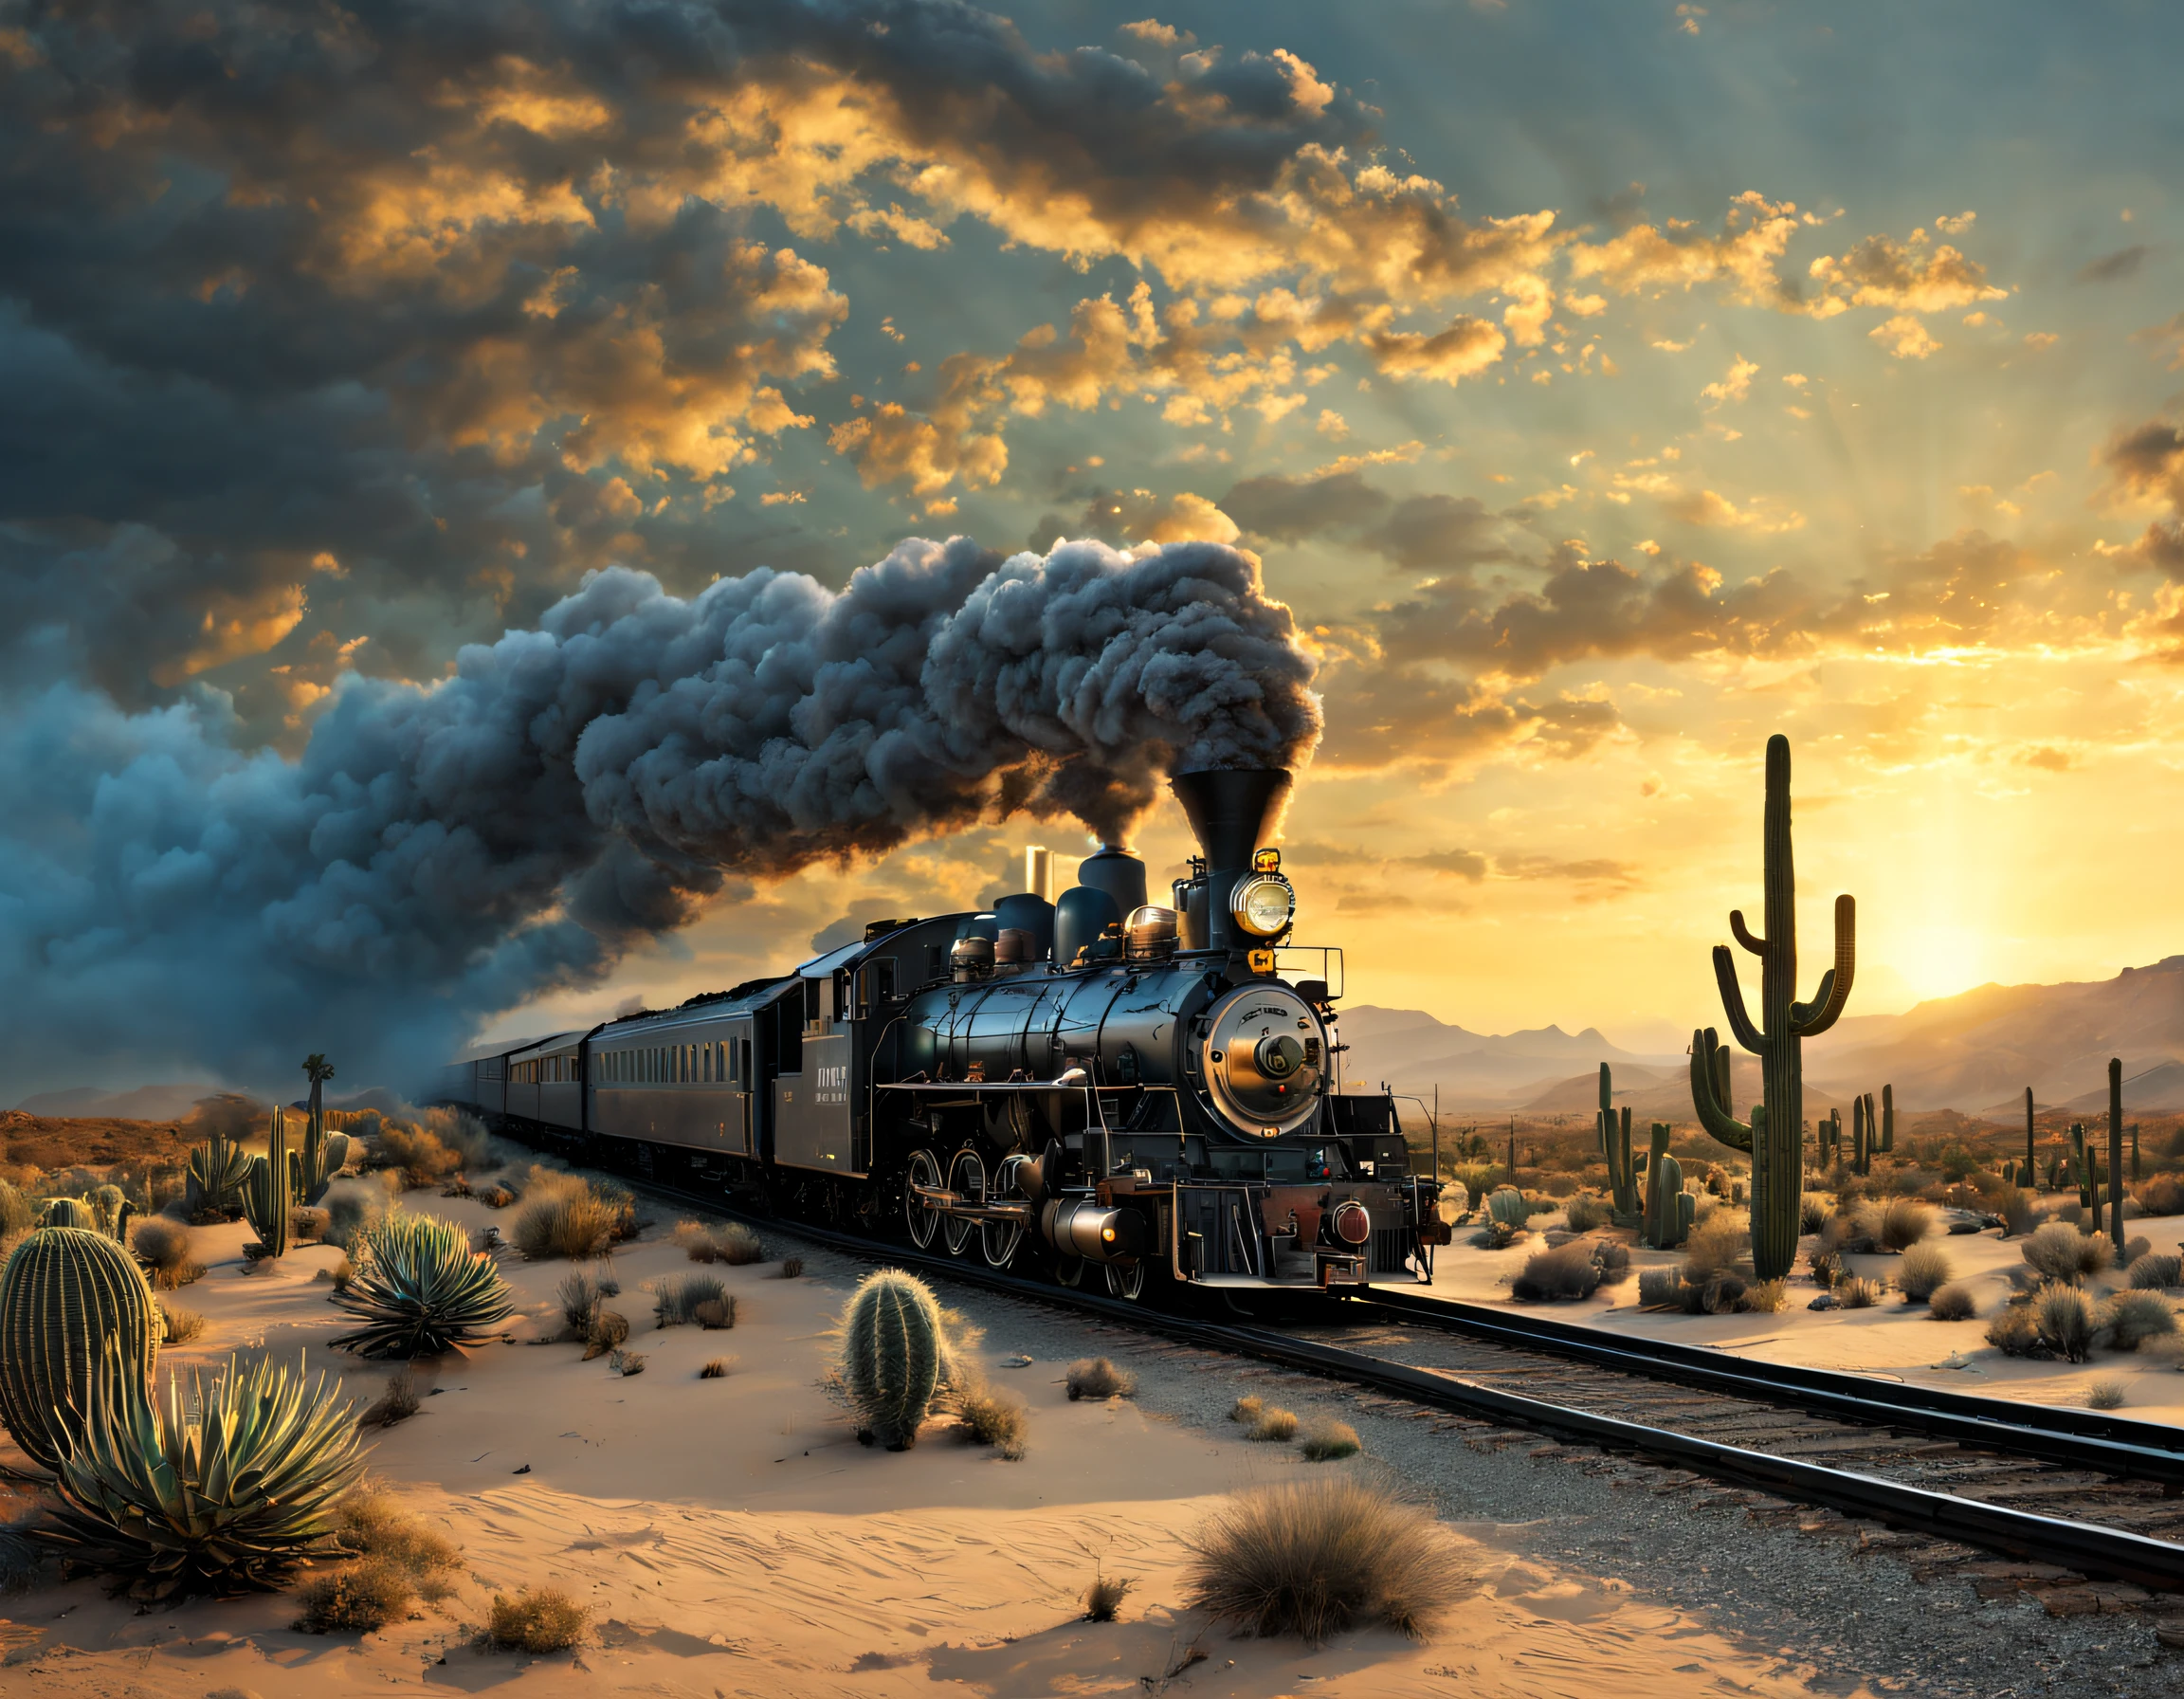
[2090, 1548]
[2078, 1439]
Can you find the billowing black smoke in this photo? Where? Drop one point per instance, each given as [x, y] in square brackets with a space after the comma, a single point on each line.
[441, 855]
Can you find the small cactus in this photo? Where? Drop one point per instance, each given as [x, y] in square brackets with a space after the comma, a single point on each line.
[66, 1295]
[1509, 1207]
[217, 1169]
[266, 1191]
[113, 1212]
[1669, 1209]
[1615, 1148]
[894, 1354]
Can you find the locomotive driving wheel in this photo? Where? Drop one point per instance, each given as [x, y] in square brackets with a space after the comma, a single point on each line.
[1001, 1240]
[920, 1218]
[966, 1180]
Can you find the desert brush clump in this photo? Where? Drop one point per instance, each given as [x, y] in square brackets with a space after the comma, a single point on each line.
[419, 1289]
[791, 1267]
[1925, 1271]
[1273, 1426]
[731, 1242]
[986, 1416]
[178, 1326]
[2059, 1251]
[2155, 1271]
[717, 1368]
[398, 1403]
[1811, 1213]
[675, 1301]
[2106, 1392]
[2161, 1196]
[396, 1560]
[607, 1331]
[535, 1620]
[162, 1245]
[1904, 1222]
[1719, 1245]
[1765, 1297]
[2131, 1318]
[1103, 1597]
[1953, 1303]
[227, 1490]
[1856, 1292]
[1098, 1377]
[1567, 1272]
[715, 1315]
[77, 1325]
[1588, 1211]
[895, 1356]
[1318, 1557]
[2065, 1317]
[1325, 1441]
[565, 1215]
[2015, 1331]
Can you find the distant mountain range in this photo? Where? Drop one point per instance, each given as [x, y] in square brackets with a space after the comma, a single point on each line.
[1975, 1052]
[146, 1103]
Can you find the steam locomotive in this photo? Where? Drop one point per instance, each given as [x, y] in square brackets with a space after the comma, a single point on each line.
[1151, 1091]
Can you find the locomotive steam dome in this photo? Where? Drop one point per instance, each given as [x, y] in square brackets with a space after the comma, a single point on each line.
[1263, 1058]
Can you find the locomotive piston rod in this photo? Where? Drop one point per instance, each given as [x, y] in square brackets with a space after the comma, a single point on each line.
[1097, 1232]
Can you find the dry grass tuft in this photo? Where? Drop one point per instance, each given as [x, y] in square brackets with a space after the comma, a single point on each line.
[2105, 1394]
[162, 1245]
[609, 1329]
[1326, 1440]
[1719, 1245]
[1925, 1271]
[1587, 1211]
[2131, 1318]
[1103, 1597]
[1097, 1378]
[791, 1267]
[717, 1368]
[2155, 1271]
[536, 1620]
[2059, 1251]
[1953, 1303]
[2014, 1331]
[182, 1324]
[2161, 1196]
[398, 1403]
[1765, 1297]
[357, 1599]
[398, 1558]
[1246, 1410]
[1904, 1223]
[1857, 1293]
[1564, 1273]
[2063, 1315]
[715, 1315]
[1274, 1426]
[677, 1302]
[562, 1215]
[985, 1417]
[1317, 1557]
[732, 1242]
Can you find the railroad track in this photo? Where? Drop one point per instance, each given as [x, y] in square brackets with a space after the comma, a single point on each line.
[2094, 1493]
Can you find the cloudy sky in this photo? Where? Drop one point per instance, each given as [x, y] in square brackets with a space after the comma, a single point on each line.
[1602, 388]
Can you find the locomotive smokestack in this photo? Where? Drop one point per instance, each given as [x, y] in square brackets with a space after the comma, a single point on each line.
[1230, 811]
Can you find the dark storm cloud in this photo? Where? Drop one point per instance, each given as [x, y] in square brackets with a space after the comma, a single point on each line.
[577, 788]
[2115, 267]
[1433, 532]
[2146, 463]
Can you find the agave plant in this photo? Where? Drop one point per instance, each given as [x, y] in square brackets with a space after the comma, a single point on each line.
[222, 1492]
[420, 1289]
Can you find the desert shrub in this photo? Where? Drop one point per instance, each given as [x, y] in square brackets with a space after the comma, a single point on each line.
[715, 1315]
[985, 1417]
[1613, 1260]
[536, 1620]
[357, 1599]
[1657, 1288]
[561, 1215]
[1811, 1213]
[2015, 1208]
[182, 1324]
[1953, 1303]
[1585, 1212]
[398, 1403]
[791, 1267]
[1765, 1297]
[1857, 1293]
[2015, 1331]
[1103, 1597]
[1325, 1441]
[2063, 1315]
[715, 1368]
[163, 1247]
[1853, 1229]
[373, 1524]
[349, 1212]
[1717, 1245]
[2161, 1196]
[675, 1301]
[416, 1153]
[732, 1242]
[1565, 1273]
[1274, 1426]
[496, 1198]
[17, 1215]
[606, 1333]
[2059, 1251]
[2105, 1394]
[1925, 1272]
[1097, 1378]
[627, 1364]
[2131, 1318]
[1903, 1222]
[579, 1294]
[1320, 1556]
[1246, 1410]
[1827, 1268]
[2155, 1271]
[2134, 1249]
[462, 1133]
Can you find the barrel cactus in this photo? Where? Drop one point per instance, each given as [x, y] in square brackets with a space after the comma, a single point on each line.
[420, 1289]
[267, 1189]
[66, 1294]
[894, 1354]
[228, 1489]
[1509, 1207]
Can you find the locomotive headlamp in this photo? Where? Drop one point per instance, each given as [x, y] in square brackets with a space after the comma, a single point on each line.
[1264, 905]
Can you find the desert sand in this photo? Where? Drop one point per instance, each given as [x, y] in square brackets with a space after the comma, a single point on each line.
[1891, 1338]
[731, 1537]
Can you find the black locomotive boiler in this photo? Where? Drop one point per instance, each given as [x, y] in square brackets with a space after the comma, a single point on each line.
[1150, 1091]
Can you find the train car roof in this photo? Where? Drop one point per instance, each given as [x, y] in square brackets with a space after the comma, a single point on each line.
[745, 999]
[852, 955]
[553, 1042]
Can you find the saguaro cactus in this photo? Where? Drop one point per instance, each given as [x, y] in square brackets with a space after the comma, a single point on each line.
[2081, 1165]
[2031, 1158]
[217, 1171]
[2116, 1154]
[324, 1155]
[894, 1354]
[1615, 1148]
[1774, 1133]
[67, 1295]
[1887, 1117]
[266, 1191]
[1860, 1136]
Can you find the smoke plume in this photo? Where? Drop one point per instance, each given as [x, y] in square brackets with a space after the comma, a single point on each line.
[441, 853]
